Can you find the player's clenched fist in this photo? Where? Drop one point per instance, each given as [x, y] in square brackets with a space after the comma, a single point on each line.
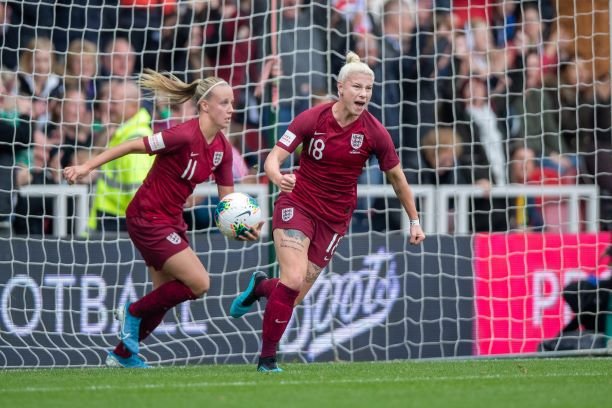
[287, 183]
[416, 234]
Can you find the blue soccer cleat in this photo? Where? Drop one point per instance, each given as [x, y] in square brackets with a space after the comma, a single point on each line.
[133, 361]
[244, 301]
[268, 365]
[130, 328]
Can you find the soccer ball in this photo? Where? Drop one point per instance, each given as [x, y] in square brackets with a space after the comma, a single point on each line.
[236, 214]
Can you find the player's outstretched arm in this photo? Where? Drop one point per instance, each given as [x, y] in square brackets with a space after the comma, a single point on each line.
[285, 182]
[73, 174]
[402, 189]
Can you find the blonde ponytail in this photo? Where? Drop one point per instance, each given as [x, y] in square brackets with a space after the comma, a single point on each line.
[177, 91]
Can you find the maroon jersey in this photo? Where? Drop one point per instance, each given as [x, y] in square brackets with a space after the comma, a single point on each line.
[184, 159]
[332, 159]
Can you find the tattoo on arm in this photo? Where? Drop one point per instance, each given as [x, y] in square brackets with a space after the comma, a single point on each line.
[293, 239]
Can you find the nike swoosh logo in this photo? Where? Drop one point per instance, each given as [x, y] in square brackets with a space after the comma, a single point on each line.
[319, 133]
[194, 154]
[326, 258]
[246, 212]
[280, 321]
[124, 335]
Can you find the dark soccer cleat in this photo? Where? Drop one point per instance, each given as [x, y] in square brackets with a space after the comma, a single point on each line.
[268, 365]
[244, 301]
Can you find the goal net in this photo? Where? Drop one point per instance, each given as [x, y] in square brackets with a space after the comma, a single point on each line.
[500, 113]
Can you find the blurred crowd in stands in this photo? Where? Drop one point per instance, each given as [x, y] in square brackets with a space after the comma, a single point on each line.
[473, 92]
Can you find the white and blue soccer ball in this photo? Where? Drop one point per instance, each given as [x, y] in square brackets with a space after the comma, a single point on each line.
[237, 213]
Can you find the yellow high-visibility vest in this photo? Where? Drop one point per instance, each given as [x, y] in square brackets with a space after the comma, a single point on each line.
[119, 179]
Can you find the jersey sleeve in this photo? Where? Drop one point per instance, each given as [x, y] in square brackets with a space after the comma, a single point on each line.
[385, 150]
[298, 129]
[166, 141]
[223, 172]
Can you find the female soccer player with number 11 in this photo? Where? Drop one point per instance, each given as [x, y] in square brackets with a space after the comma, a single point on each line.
[186, 155]
[316, 204]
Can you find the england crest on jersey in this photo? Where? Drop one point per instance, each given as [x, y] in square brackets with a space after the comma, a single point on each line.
[356, 140]
[217, 158]
[174, 238]
[287, 214]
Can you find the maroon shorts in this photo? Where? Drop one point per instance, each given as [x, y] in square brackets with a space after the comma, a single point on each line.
[156, 243]
[323, 239]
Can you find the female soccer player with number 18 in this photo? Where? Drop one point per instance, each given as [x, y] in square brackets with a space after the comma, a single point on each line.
[186, 155]
[316, 204]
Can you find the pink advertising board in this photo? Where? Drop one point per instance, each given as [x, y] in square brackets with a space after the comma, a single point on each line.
[519, 280]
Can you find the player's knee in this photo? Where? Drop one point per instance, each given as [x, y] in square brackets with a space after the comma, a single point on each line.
[292, 281]
[200, 286]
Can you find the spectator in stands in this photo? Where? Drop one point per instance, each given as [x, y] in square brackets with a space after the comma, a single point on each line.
[599, 148]
[355, 11]
[399, 49]
[575, 110]
[118, 60]
[67, 143]
[5, 17]
[82, 69]
[441, 149]
[28, 20]
[102, 128]
[81, 20]
[229, 42]
[585, 126]
[141, 21]
[34, 215]
[525, 212]
[484, 156]
[15, 134]
[309, 222]
[450, 75]
[486, 60]
[186, 155]
[397, 25]
[537, 120]
[120, 179]
[440, 152]
[174, 42]
[504, 22]
[37, 79]
[71, 133]
[417, 63]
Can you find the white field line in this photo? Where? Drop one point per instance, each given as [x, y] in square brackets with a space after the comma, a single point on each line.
[127, 387]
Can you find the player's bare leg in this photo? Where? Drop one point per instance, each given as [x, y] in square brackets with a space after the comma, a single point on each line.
[312, 274]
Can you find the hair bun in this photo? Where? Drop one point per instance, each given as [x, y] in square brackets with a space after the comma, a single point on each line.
[352, 57]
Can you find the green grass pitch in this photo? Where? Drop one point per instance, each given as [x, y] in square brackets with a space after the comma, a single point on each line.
[533, 383]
